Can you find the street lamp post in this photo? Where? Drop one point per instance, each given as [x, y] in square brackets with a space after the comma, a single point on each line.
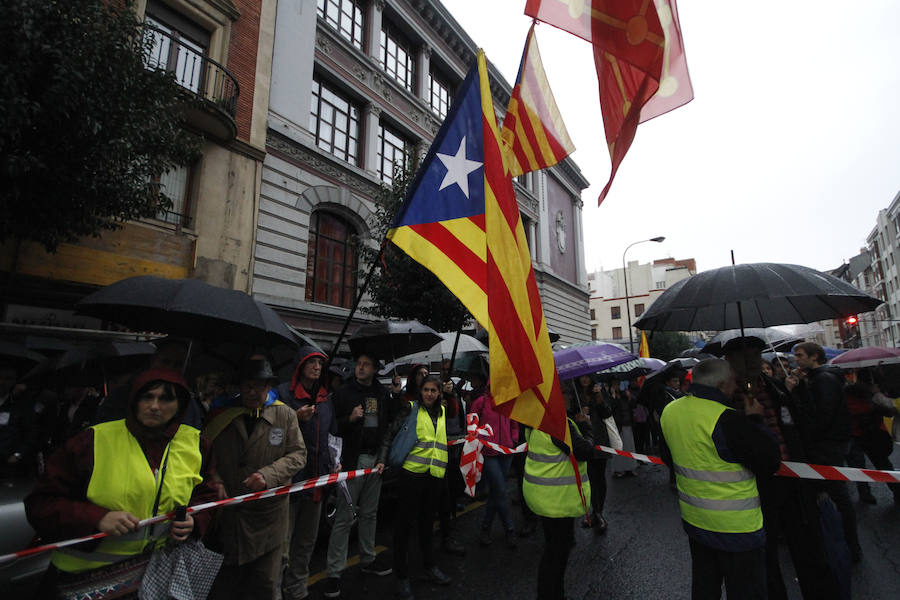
[657, 239]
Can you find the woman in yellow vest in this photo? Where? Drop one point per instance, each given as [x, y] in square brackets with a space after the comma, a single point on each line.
[419, 484]
[111, 476]
[556, 492]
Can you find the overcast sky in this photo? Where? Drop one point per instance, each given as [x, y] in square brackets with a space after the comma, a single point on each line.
[787, 152]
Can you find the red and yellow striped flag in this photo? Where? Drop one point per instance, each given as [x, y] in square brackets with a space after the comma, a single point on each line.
[461, 220]
[534, 135]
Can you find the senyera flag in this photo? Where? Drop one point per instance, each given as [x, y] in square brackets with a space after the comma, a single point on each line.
[534, 135]
[639, 58]
[460, 220]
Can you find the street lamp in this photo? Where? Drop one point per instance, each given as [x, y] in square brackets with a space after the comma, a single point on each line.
[657, 239]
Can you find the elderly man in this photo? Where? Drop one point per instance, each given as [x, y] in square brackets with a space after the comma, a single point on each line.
[256, 445]
[716, 454]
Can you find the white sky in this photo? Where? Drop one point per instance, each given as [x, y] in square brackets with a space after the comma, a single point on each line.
[787, 152]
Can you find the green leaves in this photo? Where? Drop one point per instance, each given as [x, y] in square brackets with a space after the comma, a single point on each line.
[401, 287]
[84, 127]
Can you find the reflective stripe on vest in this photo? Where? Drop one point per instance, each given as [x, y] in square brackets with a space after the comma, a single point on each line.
[549, 484]
[121, 480]
[429, 455]
[714, 494]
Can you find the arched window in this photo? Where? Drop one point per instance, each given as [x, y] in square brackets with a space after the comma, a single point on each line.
[331, 260]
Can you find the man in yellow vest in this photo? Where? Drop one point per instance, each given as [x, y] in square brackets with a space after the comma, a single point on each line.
[716, 454]
[556, 492]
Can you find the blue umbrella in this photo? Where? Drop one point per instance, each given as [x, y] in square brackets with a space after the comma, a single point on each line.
[589, 357]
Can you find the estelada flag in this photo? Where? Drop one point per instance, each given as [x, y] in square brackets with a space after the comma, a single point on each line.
[534, 135]
[460, 220]
[639, 58]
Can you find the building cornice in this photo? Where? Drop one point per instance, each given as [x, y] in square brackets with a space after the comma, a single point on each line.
[329, 167]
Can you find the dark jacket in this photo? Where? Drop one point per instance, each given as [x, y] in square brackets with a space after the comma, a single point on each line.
[360, 438]
[824, 419]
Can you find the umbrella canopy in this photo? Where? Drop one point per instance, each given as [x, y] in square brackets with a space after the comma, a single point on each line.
[676, 366]
[773, 338]
[698, 353]
[443, 349]
[753, 295]
[19, 357]
[588, 358]
[631, 369]
[188, 308]
[390, 339]
[95, 364]
[866, 357]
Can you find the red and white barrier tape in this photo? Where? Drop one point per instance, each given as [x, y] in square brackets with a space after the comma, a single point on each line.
[808, 471]
[276, 491]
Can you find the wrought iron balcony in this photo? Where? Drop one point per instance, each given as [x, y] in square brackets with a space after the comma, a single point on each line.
[199, 75]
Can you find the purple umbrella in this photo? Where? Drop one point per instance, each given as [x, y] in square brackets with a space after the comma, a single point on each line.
[589, 357]
[866, 357]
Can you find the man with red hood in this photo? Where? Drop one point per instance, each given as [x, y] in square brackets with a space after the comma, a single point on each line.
[316, 420]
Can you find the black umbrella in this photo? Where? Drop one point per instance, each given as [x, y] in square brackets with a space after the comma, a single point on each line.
[94, 365]
[188, 308]
[753, 295]
[19, 357]
[390, 339]
[698, 353]
[771, 338]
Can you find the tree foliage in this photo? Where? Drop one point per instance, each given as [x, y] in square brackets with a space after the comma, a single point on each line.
[666, 345]
[85, 128]
[401, 287]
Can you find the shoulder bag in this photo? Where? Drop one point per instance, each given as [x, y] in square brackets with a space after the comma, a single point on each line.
[405, 439]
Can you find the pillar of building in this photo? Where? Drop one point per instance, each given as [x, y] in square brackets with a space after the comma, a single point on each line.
[373, 32]
[423, 70]
[372, 114]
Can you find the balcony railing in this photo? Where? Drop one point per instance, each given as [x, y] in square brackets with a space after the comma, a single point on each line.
[193, 71]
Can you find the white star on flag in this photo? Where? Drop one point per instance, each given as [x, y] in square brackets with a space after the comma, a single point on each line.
[458, 168]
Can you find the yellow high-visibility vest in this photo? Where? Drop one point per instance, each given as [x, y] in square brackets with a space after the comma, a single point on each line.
[429, 455]
[714, 494]
[122, 480]
[549, 486]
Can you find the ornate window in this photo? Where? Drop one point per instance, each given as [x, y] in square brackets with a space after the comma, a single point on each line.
[178, 45]
[393, 151]
[331, 260]
[439, 96]
[334, 120]
[345, 17]
[176, 185]
[397, 57]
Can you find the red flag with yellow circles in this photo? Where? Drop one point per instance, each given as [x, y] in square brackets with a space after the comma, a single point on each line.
[639, 58]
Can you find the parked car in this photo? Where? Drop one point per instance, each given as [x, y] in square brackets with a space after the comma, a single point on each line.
[19, 578]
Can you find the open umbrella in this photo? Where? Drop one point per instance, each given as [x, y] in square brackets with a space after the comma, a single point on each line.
[589, 357]
[866, 357]
[631, 369]
[95, 364]
[774, 339]
[443, 349]
[390, 339]
[753, 295]
[188, 308]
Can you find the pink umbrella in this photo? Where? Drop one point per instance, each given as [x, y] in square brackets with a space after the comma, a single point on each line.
[866, 357]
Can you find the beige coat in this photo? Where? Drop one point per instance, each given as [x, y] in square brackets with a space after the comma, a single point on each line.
[276, 450]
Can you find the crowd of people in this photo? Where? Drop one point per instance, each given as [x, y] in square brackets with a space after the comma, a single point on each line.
[154, 443]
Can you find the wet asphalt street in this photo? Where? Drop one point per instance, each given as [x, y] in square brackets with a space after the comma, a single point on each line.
[643, 555]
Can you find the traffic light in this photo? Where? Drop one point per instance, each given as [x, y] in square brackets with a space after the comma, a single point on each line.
[851, 321]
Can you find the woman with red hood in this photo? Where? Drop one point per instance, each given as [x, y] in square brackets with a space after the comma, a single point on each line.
[316, 419]
[111, 476]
